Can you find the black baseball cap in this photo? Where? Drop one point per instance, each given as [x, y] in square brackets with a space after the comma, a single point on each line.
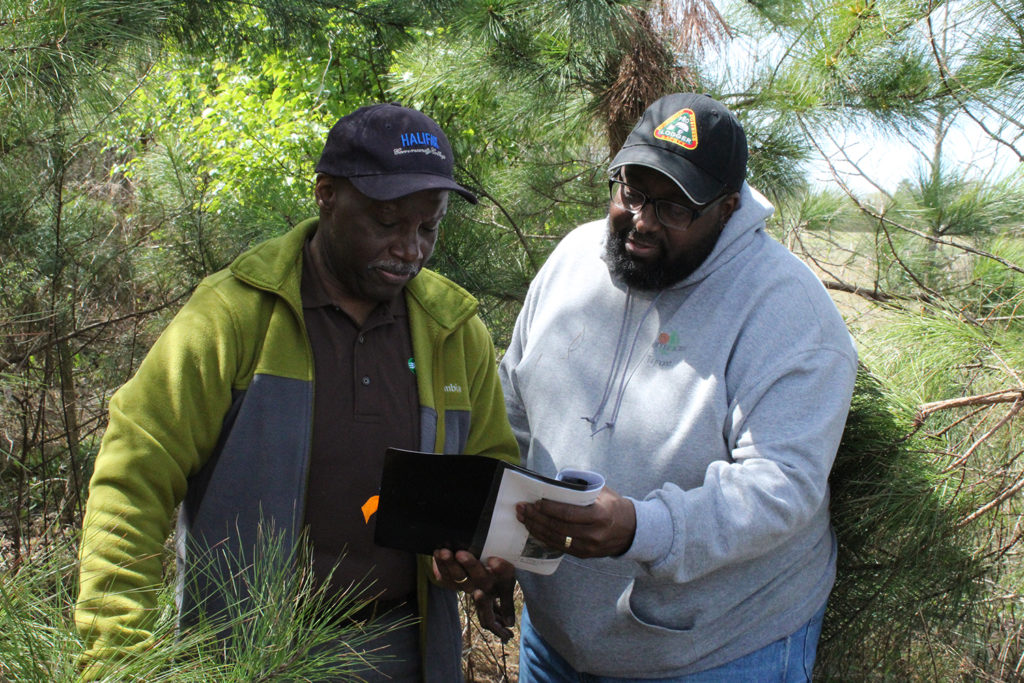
[388, 151]
[694, 140]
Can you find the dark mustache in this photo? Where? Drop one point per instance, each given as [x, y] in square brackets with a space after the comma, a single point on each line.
[635, 236]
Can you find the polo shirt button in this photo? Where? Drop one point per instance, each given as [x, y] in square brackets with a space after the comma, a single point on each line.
[362, 339]
[366, 381]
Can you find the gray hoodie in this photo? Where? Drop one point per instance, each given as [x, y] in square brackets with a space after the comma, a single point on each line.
[716, 405]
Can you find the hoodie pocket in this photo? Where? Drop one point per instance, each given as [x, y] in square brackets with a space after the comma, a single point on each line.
[660, 610]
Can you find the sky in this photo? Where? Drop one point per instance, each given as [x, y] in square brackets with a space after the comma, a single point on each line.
[885, 160]
[888, 161]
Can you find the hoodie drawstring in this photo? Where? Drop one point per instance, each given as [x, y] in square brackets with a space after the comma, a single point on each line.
[617, 363]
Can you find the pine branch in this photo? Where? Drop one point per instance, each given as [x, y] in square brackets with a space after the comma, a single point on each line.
[885, 220]
[1014, 409]
[994, 503]
[864, 292]
[511, 221]
[945, 76]
[906, 269]
[881, 217]
[1002, 396]
[6, 363]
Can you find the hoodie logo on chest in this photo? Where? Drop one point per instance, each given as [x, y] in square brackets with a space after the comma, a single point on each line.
[666, 349]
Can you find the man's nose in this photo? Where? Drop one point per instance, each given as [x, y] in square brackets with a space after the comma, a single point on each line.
[646, 219]
[408, 245]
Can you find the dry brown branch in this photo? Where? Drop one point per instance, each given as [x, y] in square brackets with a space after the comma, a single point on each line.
[938, 240]
[833, 171]
[1001, 396]
[906, 269]
[956, 423]
[864, 292]
[46, 342]
[695, 25]
[1014, 409]
[642, 75]
[994, 503]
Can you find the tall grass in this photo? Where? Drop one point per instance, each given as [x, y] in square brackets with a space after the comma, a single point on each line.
[279, 625]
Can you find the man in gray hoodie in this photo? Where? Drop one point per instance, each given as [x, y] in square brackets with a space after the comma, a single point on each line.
[703, 369]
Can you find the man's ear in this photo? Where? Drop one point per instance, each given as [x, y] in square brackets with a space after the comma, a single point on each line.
[728, 206]
[324, 192]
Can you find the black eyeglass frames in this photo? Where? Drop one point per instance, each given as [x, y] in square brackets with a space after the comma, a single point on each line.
[670, 214]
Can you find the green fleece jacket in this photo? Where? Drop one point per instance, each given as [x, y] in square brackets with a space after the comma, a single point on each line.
[218, 420]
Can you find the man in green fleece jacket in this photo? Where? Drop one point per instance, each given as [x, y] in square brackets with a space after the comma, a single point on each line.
[272, 395]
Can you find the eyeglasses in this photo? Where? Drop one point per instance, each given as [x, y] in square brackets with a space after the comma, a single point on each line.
[670, 214]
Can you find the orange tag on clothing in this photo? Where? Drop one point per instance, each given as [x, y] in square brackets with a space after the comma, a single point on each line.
[370, 507]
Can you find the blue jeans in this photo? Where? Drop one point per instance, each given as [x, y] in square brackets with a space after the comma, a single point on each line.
[787, 660]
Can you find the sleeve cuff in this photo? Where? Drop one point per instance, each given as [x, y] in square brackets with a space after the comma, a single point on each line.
[653, 538]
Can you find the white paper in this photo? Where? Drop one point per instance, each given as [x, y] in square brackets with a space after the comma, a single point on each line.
[508, 539]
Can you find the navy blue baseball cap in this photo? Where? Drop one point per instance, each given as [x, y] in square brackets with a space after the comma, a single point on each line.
[694, 140]
[388, 151]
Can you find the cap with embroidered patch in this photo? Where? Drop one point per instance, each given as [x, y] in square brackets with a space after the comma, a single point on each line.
[388, 151]
[694, 140]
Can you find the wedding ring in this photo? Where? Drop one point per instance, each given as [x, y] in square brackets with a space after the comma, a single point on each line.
[464, 579]
[568, 542]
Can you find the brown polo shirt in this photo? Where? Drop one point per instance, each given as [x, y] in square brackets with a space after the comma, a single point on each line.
[365, 399]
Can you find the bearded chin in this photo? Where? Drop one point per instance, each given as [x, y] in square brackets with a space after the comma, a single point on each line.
[634, 273]
[658, 274]
[640, 275]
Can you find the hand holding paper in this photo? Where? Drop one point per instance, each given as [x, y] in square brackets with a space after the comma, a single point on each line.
[603, 529]
[509, 539]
